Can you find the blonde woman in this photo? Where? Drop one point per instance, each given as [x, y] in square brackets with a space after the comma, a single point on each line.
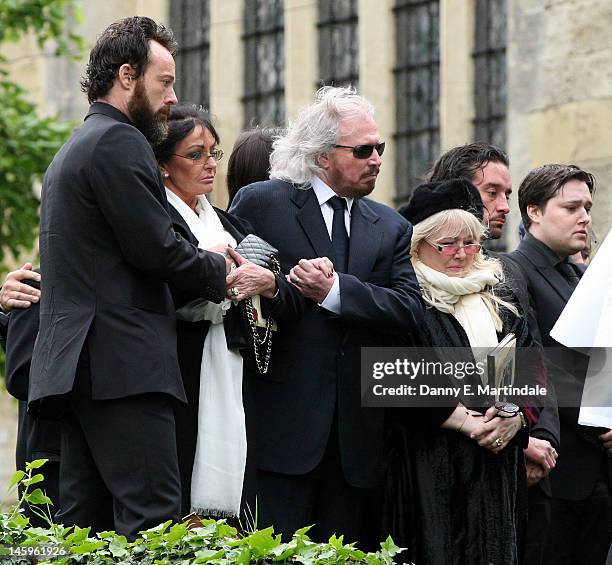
[456, 481]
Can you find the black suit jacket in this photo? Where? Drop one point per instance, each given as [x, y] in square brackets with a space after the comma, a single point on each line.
[37, 438]
[108, 250]
[315, 365]
[581, 456]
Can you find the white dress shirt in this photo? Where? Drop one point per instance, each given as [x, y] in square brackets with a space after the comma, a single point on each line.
[323, 193]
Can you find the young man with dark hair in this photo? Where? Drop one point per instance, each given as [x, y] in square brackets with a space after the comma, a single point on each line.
[105, 356]
[555, 202]
[486, 167]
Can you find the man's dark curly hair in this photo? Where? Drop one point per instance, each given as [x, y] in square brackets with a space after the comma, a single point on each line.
[123, 42]
[464, 161]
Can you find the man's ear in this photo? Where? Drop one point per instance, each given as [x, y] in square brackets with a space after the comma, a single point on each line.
[535, 213]
[323, 161]
[127, 76]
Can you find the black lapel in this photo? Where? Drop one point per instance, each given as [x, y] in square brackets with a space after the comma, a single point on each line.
[310, 218]
[180, 226]
[542, 264]
[365, 239]
[229, 226]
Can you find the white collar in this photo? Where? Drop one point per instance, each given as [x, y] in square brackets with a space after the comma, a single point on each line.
[324, 192]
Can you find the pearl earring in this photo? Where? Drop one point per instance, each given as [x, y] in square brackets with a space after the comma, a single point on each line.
[165, 174]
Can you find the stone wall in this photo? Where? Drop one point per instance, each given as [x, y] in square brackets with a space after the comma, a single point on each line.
[560, 91]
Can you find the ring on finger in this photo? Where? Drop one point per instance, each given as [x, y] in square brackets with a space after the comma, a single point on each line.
[234, 291]
[499, 442]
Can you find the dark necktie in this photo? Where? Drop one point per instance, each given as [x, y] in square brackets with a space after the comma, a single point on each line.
[340, 239]
[569, 273]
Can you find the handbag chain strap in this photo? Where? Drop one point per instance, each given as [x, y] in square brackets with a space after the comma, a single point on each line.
[266, 341]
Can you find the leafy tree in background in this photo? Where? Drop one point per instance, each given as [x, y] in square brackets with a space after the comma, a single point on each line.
[27, 141]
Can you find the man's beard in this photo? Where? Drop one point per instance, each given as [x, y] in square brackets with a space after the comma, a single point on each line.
[153, 125]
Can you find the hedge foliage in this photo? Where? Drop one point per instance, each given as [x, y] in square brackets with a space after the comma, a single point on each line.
[210, 541]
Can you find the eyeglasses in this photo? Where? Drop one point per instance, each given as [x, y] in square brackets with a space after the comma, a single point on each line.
[449, 249]
[364, 151]
[198, 156]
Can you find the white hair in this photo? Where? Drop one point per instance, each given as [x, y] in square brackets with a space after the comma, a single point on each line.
[295, 155]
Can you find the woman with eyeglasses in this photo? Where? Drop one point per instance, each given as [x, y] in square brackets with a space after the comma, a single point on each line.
[216, 474]
[455, 490]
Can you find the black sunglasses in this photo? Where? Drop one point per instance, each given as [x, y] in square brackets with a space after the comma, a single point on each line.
[364, 151]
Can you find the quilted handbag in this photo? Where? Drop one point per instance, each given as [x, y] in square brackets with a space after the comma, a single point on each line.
[260, 252]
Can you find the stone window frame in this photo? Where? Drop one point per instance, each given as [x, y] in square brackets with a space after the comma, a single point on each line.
[489, 58]
[417, 88]
[338, 36]
[264, 61]
[190, 21]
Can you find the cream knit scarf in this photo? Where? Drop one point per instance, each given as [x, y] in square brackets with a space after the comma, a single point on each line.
[463, 298]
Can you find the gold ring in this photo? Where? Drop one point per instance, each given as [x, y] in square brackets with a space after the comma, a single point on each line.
[499, 442]
[234, 291]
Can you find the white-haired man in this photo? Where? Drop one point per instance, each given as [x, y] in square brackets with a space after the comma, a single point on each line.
[319, 453]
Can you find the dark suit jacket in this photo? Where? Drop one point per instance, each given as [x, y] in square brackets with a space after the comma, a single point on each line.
[315, 366]
[581, 456]
[547, 426]
[108, 250]
[36, 438]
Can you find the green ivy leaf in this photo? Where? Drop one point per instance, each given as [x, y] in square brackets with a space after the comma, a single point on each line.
[36, 464]
[208, 555]
[38, 478]
[118, 546]
[89, 546]
[17, 476]
[37, 497]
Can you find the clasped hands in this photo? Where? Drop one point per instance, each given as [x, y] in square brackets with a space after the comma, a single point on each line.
[244, 279]
[540, 459]
[493, 432]
[313, 278]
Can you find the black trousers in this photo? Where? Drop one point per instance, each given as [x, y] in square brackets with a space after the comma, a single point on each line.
[322, 497]
[581, 530]
[118, 468]
[538, 524]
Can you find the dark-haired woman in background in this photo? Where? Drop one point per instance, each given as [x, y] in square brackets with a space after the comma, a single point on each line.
[211, 430]
[250, 159]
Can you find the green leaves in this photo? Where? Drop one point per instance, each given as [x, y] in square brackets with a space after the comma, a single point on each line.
[209, 541]
[213, 542]
[45, 18]
[27, 141]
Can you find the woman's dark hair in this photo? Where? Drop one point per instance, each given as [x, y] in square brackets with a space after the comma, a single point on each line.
[182, 121]
[250, 158]
[542, 183]
[464, 161]
[123, 42]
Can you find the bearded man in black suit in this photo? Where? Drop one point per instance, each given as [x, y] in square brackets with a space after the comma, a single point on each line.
[319, 453]
[106, 350]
